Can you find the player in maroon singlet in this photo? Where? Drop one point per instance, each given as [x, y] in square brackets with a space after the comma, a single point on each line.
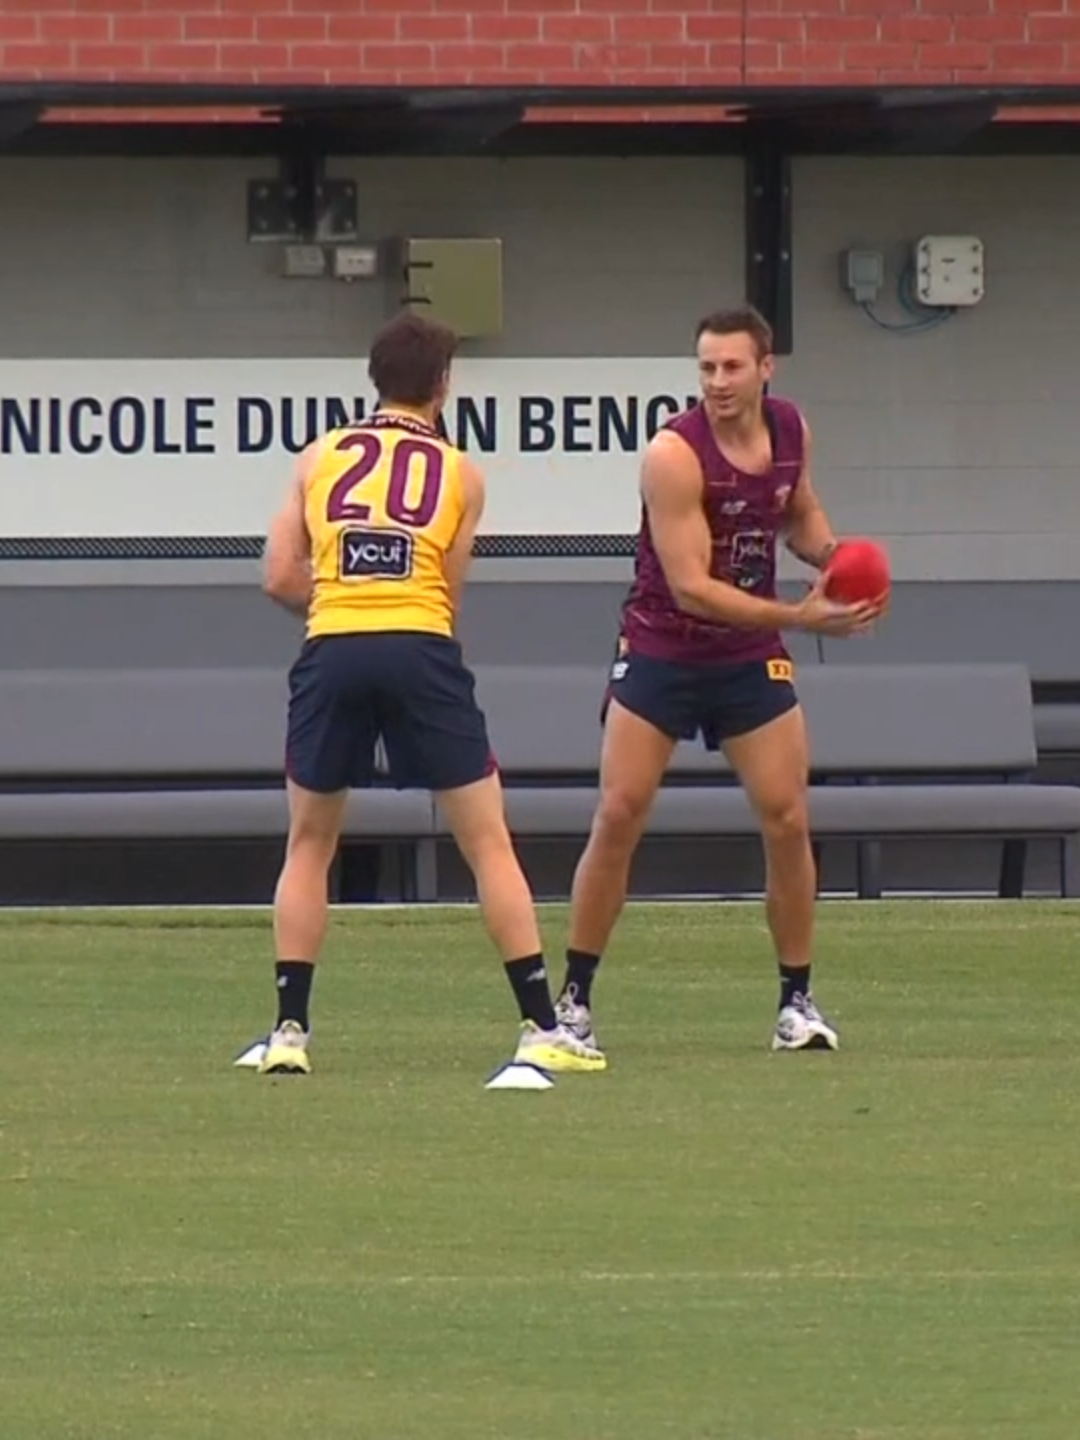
[701, 652]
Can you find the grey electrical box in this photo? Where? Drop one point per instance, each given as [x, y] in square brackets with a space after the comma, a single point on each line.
[863, 274]
[458, 282]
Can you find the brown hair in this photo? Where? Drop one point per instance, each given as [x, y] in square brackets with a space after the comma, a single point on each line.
[742, 320]
[409, 357]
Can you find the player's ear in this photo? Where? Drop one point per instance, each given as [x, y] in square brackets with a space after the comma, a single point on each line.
[768, 367]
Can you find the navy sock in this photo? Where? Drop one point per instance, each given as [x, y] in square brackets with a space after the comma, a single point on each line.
[580, 970]
[294, 978]
[528, 979]
[794, 981]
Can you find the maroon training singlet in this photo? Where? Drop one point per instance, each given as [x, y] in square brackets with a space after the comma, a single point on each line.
[746, 514]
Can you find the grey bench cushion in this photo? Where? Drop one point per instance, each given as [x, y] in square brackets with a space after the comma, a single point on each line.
[542, 719]
[893, 723]
[973, 719]
[231, 723]
[865, 811]
[168, 723]
[183, 814]
[188, 727]
[1057, 728]
[200, 726]
[863, 720]
[968, 810]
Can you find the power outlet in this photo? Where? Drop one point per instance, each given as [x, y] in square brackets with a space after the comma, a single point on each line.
[862, 273]
[304, 262]
[356, 262]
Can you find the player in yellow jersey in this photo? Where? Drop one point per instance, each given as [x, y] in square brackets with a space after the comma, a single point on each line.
[373, 544]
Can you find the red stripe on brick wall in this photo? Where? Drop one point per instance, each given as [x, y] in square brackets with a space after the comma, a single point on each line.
[912, 41]
[508, 42]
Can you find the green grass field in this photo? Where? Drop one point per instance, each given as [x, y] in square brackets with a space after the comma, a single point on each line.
[709, 1242]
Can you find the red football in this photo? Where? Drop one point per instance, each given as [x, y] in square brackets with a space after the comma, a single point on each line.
[857, 570]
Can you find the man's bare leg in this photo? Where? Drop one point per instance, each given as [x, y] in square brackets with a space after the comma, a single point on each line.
[476, 817]
[633, 759]
[300, 914]
[772, 764]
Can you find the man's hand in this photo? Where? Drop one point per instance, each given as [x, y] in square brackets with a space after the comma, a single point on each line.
[822, 616]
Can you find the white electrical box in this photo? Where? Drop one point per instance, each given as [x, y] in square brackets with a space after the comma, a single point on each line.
[949, 270]
[356, 262]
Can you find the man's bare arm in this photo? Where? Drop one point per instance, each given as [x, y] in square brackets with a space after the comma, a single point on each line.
[809, 535]
[671, 486]
[287, 577]
[459, 555]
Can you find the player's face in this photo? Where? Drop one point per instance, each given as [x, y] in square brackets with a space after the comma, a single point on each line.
[733, 375]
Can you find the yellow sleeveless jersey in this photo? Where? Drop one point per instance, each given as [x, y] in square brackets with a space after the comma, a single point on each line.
[383, 501]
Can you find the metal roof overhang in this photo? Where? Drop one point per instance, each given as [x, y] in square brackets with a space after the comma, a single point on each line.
[86, 117]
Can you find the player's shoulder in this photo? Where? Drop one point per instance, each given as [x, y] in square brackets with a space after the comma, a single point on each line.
[687, 423]
[429, 437]
[326, 443]
[311, 457]
[782, 404]
[682, 436]
[449, 448]
[672, 444]
[786, 411]
[469, 474]
[671, 467]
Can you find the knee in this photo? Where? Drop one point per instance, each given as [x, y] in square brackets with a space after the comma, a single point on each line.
[483, 838]
[786, 821]
[620, 818]
[312, 846]
[484, 848]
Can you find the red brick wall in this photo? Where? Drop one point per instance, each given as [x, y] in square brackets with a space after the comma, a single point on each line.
[532, 41]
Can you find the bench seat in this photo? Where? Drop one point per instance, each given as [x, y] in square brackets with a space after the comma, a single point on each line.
[179, 814]
[1057, 728]
[869, 811]
[158, 754]
[897, 750]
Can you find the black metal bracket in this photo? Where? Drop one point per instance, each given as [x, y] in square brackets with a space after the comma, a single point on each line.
[301, 204]
[769, 233]
[17, 118]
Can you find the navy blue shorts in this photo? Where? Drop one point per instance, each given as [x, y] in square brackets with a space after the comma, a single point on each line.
[716, 701]
[412, 692]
